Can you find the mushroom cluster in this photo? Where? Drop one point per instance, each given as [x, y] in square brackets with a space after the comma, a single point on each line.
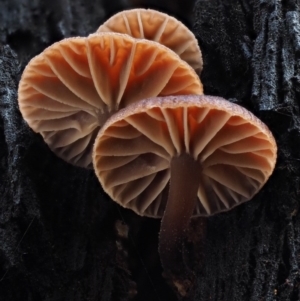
[127, 101]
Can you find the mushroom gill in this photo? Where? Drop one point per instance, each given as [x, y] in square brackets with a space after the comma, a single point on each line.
[68, 91]
[133, 152]
[159, 27]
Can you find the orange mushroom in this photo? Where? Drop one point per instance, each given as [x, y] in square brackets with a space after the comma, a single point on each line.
[159, 27]
[68, 91]
[180, 156]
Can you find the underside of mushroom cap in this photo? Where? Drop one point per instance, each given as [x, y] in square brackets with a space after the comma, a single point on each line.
[156, 26]
[68, 91]
[132, 152]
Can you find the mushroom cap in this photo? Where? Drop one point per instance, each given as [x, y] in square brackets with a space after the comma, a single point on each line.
[133, 151]
[68, 91]
[159, 27]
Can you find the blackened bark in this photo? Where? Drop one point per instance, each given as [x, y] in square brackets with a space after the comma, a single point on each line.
[251, 55]
[56, 226]
[62, 238]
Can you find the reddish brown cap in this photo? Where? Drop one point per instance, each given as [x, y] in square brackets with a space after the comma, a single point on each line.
[68, 91]
[133, 151]
[156, 26]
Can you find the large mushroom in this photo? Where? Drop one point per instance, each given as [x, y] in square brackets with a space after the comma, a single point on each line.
[156, 26]
[68, 91]
[181, 156]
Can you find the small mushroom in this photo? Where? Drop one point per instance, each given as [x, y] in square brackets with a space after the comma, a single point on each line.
[156, 26]
[68, 91]
[181, 156]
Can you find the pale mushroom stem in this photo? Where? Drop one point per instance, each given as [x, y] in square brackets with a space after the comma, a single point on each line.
[184, 184]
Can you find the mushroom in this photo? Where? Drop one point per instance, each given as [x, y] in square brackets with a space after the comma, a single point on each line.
[156, 26]
[181, 156]
[68, 91]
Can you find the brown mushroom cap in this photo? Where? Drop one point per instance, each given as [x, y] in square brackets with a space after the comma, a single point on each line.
[68, 91]
[156, 26]
[133, 151]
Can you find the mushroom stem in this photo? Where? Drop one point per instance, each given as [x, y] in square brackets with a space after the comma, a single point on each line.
[181, 203]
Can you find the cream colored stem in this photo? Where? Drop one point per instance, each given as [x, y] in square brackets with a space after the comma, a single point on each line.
[181, 203]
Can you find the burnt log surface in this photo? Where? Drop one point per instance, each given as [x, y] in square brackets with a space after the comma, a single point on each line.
[62, 238]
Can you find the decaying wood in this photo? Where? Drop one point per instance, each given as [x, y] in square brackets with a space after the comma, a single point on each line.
[62, 238]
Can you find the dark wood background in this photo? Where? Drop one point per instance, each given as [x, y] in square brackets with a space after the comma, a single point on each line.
[61, 237]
